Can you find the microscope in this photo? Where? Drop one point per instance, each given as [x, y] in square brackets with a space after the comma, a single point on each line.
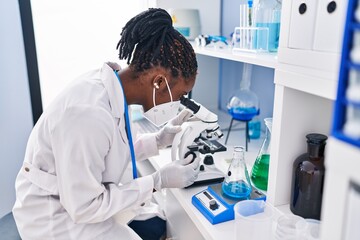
[199, 137]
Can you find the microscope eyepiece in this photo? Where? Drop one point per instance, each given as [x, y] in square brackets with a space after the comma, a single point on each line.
[190, 104]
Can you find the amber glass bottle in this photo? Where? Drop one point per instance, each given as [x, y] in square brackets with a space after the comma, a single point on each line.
[308, 178]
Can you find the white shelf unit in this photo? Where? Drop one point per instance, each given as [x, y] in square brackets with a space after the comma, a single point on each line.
[306, 83]
[264, 59]
[305, 90]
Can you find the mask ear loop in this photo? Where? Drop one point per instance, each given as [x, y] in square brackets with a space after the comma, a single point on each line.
[168, 87]
[169, 90]
[154, 96]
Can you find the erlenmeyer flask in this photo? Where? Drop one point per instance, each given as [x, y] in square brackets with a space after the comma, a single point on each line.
[237, 181]
[260, 170]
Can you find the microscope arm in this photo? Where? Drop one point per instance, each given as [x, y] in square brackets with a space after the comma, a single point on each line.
[203, 120]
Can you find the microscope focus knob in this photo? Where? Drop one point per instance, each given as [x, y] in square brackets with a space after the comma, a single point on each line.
[208, 160]
[213, 205]
[192, 154]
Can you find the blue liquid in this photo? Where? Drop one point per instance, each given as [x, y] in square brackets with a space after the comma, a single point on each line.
[237, 190]
[254, 129]
[274, 31]
[243, 114]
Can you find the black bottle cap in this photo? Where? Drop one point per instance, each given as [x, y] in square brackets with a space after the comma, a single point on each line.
[316, 138]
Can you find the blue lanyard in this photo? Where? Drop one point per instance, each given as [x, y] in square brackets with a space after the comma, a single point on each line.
[128, 130]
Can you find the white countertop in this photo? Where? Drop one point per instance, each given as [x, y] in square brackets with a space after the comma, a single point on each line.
[225, 230]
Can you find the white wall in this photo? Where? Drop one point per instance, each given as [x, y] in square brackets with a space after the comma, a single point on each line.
[73, 37]
[15, 108]
[69, 41]
[209, 12]
[210, 15]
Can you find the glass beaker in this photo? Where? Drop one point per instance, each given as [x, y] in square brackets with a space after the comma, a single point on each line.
[260, 169]
[267, 14]
[237, 181]
[290, 227]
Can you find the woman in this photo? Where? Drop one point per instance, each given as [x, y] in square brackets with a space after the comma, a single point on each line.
[77, 153]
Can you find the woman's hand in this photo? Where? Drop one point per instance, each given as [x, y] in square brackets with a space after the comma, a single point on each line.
[166, 135]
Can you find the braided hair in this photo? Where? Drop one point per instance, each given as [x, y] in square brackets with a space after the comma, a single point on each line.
[149, 40]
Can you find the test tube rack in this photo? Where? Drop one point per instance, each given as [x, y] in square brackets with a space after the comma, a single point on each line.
[347, 64]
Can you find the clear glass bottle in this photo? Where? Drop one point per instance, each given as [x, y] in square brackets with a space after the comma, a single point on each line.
[267, 14]
[308, 178]
[260, 169]
[237, 181]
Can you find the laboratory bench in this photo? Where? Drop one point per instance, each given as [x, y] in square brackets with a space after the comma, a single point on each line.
[184, 220]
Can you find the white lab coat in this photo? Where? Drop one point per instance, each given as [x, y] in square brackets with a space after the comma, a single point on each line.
[68, 186]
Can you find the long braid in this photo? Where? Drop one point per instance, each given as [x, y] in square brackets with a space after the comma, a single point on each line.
[149, 40]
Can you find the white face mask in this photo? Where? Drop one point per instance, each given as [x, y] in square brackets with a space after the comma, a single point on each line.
[162, 113]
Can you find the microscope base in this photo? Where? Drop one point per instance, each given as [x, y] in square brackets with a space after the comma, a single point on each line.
[209, 176]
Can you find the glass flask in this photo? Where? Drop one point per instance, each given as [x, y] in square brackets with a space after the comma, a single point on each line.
[260, 169]
[254, 128]
[308, 178]
[237, 181]
[267, 14]
[244, 104]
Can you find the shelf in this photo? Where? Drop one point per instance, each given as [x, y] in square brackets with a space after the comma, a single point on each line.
[299, 78]
[268, 60]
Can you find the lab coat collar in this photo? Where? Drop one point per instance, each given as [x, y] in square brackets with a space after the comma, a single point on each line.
[114, 89]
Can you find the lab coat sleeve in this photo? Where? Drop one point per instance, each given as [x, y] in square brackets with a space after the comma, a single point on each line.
[145, 146]
[81, 140]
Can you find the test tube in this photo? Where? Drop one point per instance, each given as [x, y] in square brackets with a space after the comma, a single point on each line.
[243, 20]
[353, 89]
[355, 51]
[357, 12]
[352, 124]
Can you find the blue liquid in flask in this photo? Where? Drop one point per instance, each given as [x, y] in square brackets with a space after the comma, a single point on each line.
[243, 113]
[236, 189]
[274, 31]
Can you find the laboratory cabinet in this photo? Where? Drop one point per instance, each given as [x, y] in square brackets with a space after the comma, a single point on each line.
[341, 205]
[310, 44]
[305, 76]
